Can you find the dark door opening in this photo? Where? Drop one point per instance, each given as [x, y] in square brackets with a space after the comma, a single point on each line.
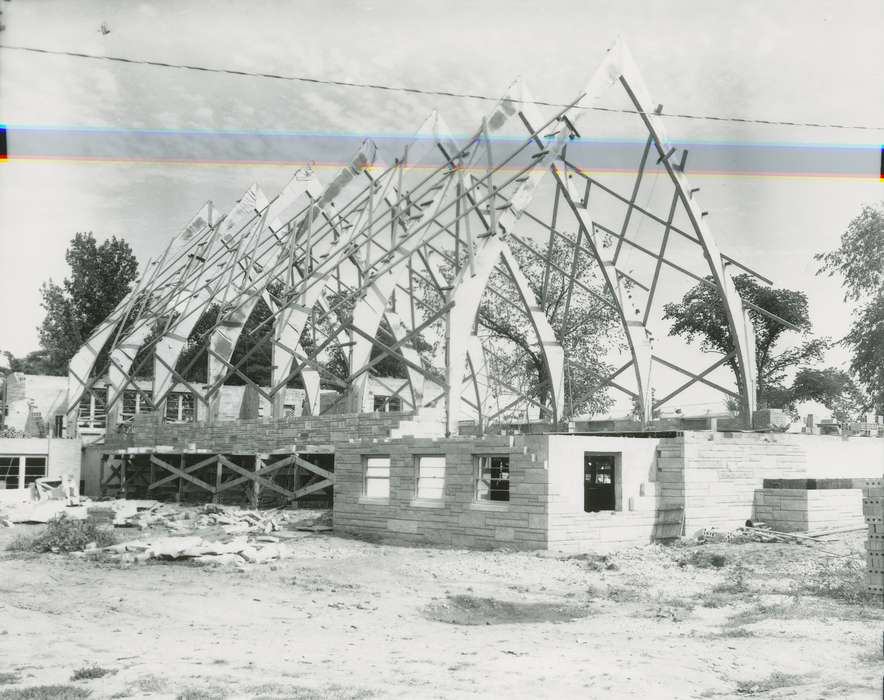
[598, 483]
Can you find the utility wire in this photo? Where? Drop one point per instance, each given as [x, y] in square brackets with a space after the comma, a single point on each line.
[425, 91]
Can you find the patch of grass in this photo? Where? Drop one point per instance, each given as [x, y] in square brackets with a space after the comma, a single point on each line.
[89, 672]
[735, 632]
[736, 580]
[703, 559]
[760, 612]
[151, 684]
[7, 678]
[206, 693]
[624, 594]
[470, 610]
[274, 691]
[45, 692]
[595, 562]
[772, 682]
[842, 578]
[64, 535]
[715, 599]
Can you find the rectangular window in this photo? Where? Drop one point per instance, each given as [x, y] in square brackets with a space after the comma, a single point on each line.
[387, 404]
[93, 410]
[431, 477]
[377, 477]
[9, 472]
[179, 407]
[136, 402]
[35, 467]
[492, 478]
[59, 426]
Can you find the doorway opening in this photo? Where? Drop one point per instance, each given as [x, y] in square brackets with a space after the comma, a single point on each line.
[599, 482]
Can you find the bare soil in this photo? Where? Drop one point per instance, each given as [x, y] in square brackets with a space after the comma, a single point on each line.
[343, 618]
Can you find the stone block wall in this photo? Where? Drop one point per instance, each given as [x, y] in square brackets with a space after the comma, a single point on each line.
[573, 529]
[715, 475]
[250, 436]
[800, 510]
[456, 520]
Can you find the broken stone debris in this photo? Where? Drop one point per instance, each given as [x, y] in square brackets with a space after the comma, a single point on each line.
[144, 514]
[238, 550]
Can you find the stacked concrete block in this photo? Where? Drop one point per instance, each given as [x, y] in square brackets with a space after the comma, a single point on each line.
[803, 509]
[873, 510]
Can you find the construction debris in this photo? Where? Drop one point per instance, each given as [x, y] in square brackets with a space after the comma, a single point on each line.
[144, 514]
[754, 532]
[238, 550]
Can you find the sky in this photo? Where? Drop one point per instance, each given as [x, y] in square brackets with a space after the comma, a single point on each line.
[87, 139]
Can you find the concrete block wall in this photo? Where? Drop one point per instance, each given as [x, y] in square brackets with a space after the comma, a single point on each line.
[800, 510]
[254, 435]
[715, 475]
[457, 520]
[570, 527]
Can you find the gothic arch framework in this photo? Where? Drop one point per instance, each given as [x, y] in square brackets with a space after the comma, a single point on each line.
[392, 261]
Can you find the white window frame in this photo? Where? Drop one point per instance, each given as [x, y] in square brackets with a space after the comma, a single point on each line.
[376, 477]
[92, 421]
[483, 495]
[23, 466]
[429, 477]
[179, 408]
[139, 401]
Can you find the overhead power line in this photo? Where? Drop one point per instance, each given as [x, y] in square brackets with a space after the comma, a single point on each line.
[425, 91]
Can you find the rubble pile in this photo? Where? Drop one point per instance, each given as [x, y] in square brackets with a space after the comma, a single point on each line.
[179, 518]
[238, 550]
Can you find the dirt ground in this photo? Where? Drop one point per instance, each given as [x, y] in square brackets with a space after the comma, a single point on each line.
[343, 618]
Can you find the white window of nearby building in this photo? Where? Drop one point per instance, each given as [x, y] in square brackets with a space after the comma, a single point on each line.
[20, 471]
[377, 476]
[93, 410]
[431, 477]
[136, 402]
[492, 478]
[9, 472]
[387, 404]
[179, 407]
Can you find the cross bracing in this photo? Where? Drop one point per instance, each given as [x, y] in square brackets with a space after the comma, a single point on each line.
[388, 260]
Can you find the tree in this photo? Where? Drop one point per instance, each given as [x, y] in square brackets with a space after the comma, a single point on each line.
[831, 387]
[101, 275]
[583, 324]
[859, 260]
[701, 314]
[35, 362]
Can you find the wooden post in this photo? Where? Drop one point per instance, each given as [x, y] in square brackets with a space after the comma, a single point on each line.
[218, 468]
[296, 476]
[256, 488]
[124, 462]
[153, 474]
[101, 462]
[180, 480]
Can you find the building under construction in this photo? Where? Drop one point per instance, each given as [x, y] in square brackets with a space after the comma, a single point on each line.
[387, 265]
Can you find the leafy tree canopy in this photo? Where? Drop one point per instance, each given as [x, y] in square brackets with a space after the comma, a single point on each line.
[101, 275]
[859, 260]
[701, 315]
[831, 387]
[584, 325]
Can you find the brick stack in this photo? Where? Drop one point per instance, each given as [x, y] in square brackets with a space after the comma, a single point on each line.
[873, 510]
